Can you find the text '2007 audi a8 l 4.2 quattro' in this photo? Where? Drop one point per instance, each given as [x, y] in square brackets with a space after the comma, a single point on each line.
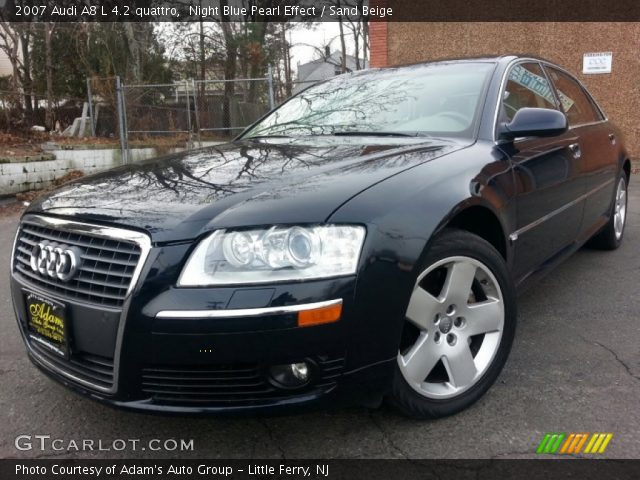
[365, 240]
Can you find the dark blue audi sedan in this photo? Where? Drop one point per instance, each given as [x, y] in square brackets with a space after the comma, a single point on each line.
[366, 240]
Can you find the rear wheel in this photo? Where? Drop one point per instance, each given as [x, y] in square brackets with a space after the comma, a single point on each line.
[610, 237]
[458, 330]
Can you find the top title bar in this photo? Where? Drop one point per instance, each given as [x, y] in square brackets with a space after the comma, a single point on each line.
[319, 10]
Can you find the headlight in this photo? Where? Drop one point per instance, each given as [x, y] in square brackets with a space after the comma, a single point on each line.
[274, 255]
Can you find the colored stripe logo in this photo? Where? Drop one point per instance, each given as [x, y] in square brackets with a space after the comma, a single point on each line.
[572, 443]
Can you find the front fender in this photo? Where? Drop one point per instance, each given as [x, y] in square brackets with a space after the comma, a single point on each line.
[402, 215]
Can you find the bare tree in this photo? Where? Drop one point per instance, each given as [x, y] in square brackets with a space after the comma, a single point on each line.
[355, 28]
[10, 45]
[359, 27]
[48, 31]
[343, 44]
[15, 40]
[230, 65]
[286, 58]
[133, 43]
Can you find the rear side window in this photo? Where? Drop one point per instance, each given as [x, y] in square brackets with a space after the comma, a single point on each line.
[527, 86]
[575, 102]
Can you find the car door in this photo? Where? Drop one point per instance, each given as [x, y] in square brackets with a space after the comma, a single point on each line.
[597, 143]
[549, 186]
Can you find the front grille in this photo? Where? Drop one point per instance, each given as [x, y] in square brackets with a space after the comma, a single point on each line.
[224, 384]
[106, 269]
[96, 371]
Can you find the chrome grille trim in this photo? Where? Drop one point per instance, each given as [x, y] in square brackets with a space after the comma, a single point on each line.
[112, 259]
[141, 239]
[88, 370]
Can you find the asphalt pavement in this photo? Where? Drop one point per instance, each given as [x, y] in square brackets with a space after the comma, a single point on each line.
[574, 367]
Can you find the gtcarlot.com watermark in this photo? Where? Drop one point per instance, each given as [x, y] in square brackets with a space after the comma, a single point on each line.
[47, 443]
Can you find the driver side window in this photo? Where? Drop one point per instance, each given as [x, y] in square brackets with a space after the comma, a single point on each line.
[526, 86]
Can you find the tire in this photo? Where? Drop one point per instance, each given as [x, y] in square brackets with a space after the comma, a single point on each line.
[610, 237]
[483, 328]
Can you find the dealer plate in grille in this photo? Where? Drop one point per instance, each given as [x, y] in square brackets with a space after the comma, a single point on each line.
[106, 269]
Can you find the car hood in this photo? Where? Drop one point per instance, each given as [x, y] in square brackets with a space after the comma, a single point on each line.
[247, 182]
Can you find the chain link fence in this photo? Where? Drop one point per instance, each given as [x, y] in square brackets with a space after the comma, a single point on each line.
[103, 106]
[226, 107]
[147, 112]
[65, 116]
[15, 116]
[184, 114]
[192, 113]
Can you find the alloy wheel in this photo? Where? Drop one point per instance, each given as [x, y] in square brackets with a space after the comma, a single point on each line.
[620, 212]
[453, 328]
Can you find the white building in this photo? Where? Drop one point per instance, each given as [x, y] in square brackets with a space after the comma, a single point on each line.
[5, 65]
[328, 66]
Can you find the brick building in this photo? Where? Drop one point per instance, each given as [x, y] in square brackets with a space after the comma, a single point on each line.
[565, 43]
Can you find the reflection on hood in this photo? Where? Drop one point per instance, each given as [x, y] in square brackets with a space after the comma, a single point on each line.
[175, 197]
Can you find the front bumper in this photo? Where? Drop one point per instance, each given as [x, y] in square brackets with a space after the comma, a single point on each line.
[364, 387]
[144, 357]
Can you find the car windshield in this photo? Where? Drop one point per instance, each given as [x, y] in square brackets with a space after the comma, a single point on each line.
[439, 99]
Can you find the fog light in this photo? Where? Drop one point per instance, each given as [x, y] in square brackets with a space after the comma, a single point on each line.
[293, 375]
[300, 371]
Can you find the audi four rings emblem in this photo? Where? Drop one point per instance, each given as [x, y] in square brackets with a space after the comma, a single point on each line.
[55, 260]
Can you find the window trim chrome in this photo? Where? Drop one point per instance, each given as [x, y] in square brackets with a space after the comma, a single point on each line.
[543, 63]
[143, 240]
[247, 312]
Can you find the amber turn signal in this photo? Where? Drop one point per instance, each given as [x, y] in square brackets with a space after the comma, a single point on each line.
[318, 316]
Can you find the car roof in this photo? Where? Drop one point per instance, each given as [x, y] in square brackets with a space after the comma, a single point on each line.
[507, 58]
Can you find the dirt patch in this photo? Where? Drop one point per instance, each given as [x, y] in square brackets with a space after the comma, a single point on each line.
[84, 141]
[11, 209]
[139, 141]
[28, 143]
[20, 146]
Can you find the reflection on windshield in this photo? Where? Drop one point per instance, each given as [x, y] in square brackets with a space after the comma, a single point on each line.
[434, 99]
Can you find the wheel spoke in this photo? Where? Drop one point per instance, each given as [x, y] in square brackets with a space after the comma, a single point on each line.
[483, 317]
[460, 366]
[457, 285]
[422, 308]
[420, 360]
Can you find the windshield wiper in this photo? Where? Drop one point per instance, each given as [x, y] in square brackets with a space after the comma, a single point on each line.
[346, 134]
[375, 134]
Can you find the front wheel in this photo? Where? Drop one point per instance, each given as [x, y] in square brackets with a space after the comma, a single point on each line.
[458, 329]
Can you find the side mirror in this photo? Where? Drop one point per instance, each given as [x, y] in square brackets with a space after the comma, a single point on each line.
[534, 122]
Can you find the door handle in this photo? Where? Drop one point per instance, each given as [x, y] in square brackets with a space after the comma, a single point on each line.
[575, 150]
[612, 139]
